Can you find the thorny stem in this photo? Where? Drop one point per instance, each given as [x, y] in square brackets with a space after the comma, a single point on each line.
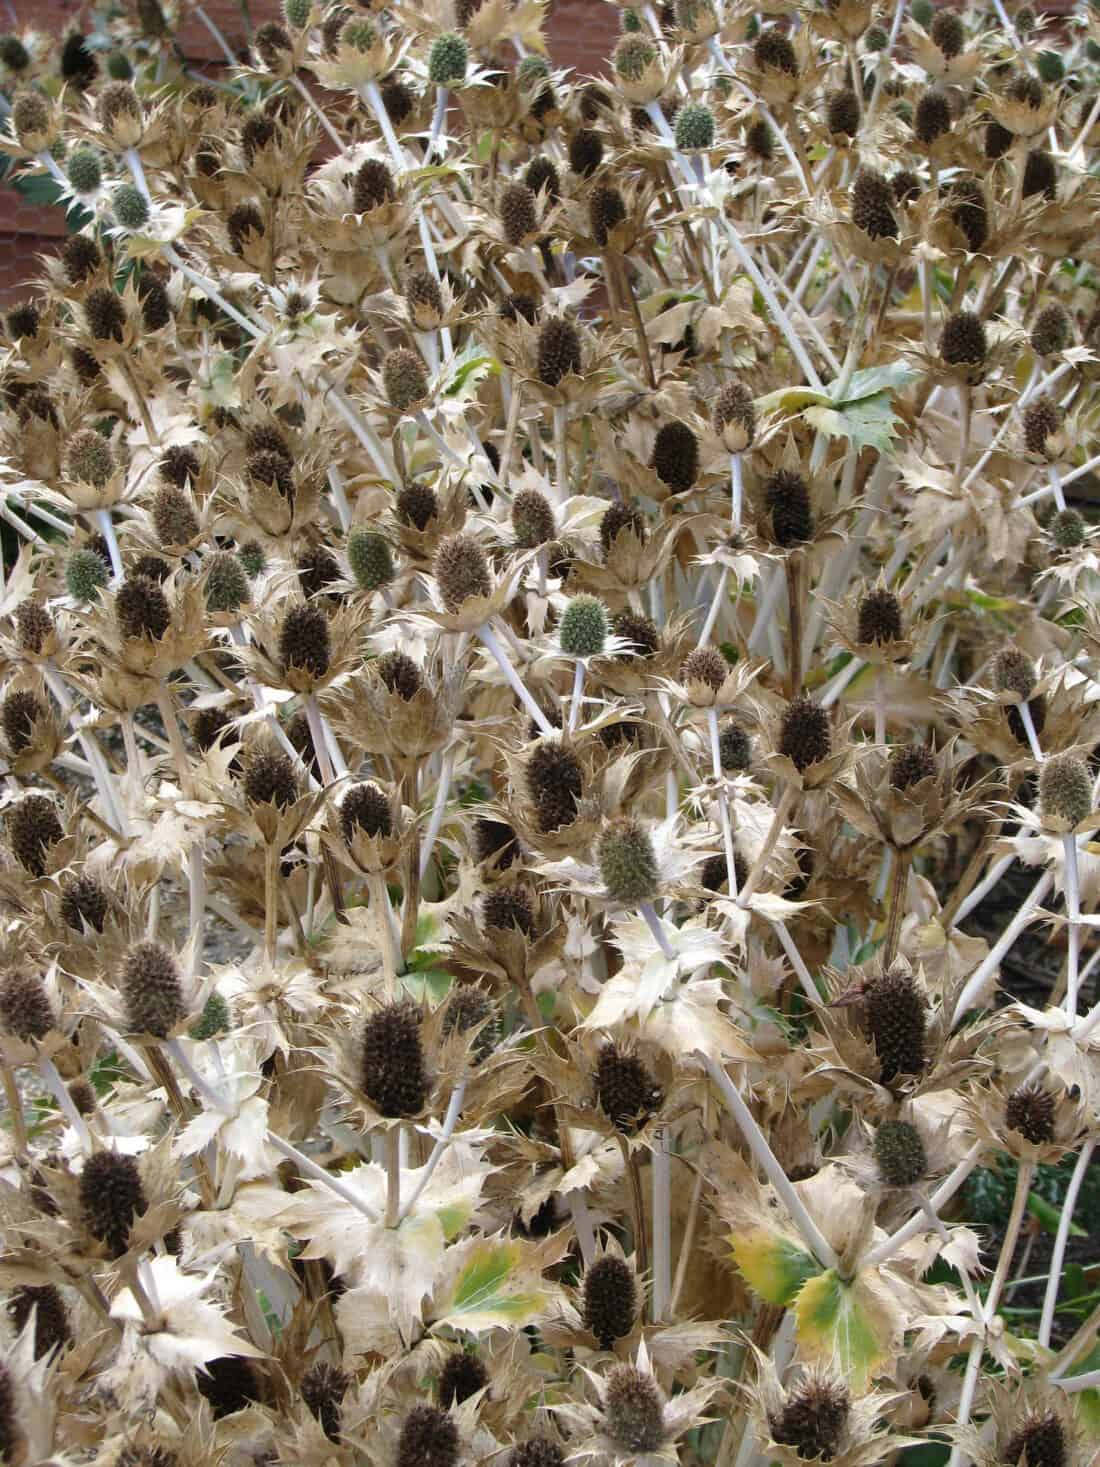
[795, 594]
[899, 888]
[1024, 1175]
[271, 901]
[393, 1176]
[661, 1177]
[15, 1110]
[637, 1205]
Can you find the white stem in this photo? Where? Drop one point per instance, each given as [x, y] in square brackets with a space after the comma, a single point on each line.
[943, 1194]
[716, 600]
[60, 1092]
[311, 1169]
[661, 1168]
[196, 885]
[577, 1203]
[107, 529]
[766, 1159]
[488, 639]
[318, 112]
[373, 97]
[438, 116]
[578, 693]
[1024, 710]
[805, 978]
[1073, 913]
[977, 980]
[339, 497]
[450, 1121]
[737, 490]
[219, 39]
[966, 1397]
[980, 892]
[657, 927]
[439, 807]
[880, 706]
[1061, 1238]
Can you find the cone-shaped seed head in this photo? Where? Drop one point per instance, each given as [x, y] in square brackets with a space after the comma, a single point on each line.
[403, 378]
[948, 33]
[733, 417]
[813, 1418]
[537, 1451]
[1065, 789]
[80, 258]
[1040, 1440]
[610, 1299]
[899, 1154]
[633, 1412]
[625, 1090]
[85, 171]
[773, 49]
[559, 350]
[400, 674]
[605, 210]
[31, 120]
[111, 1197]
[373, 186]
[51, 1321]
[129, 206]
[88, 457]
[787, 500]
[842, 112]
[461, 571]
[897, 1019]
[1040, 175]
[252, 558]
[83, 902]
[33, 625]
[554, 784]
[1068, 529]
[695, 127]
[425, 299]
[174, 518]
[242, 221]
[229, 1383]
[734, 746]
[906, 186]
[365, 807]
[462, 1376]
[619, 517]
[879, 616]
[873, 205]
[447, 60]
[150, 985]
[634, 55]
[804, 734]
[104, 314]
[933, 115]
[505, 907]
[226, 583]
[909, 764]
[370, 558]
[14, 54]
[759, 142]
[470, 1007]
[532, 519]
[323, 1387]
[141, 608]
[1043, 419]
[304, 640]
[627, 862]
[969, 211]
[518, 213]
[1013, 672]
[270, 779]
[963, 339]
[25, 1006]
[540, 174]
[318, 570]
[705, 665]
[583, 629]
[585, 151]
[18, 714]
[494, 838]
[1052, 331]
[428, 1438]
[393, 1075]
[156, 308]
[638, 630]
[33, 827]
[417, 505]
[675, 457]
[1029, 1110]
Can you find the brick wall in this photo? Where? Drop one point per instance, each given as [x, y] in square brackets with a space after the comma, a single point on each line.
[580, 32]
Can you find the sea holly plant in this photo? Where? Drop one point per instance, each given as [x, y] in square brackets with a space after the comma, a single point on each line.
[548, 716]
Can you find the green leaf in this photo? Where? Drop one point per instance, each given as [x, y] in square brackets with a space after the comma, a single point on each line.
[867, 423]
[497, 1286]
[421, 983]
[1049, 1217]
[846, 1325]
[870, 381]
[790, 399]
[773, 1266]
[468, 369]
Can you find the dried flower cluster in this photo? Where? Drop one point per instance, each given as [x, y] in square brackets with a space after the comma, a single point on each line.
[538, 614]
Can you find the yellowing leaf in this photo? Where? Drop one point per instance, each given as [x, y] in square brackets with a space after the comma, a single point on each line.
[774, 1267]
[496, 1282]
[847, 1325]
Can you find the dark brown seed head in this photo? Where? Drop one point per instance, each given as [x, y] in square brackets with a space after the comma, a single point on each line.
[83, 902]
[638, 631]
[174, 518]
[759, 142]
[879, 617]
[1040, 175]
[417, 505]
[541, 174]
[33, 625]
[111, 1197]
[462, 1376]
[403, 378]
[423, 295]
[258, 133]
[33, 827]
[963, 340]
[734, 746]
[83, 1096]
[532, 519]
[633, 1414]
[948, 33]
[317, 570]
[906, 186]
[969, 211]
[733, 416]
[559, 350]
[230, 1383]
[1040, 1440]
[304, 640]
[897, 1020]
[804, 734]
[394, 1079]
[513, 306]
[323, 1387]
[932, 117]
[1012, 671]
[1026, 89]
[787, 500]
[25, 1006]
[80, 258]
[675, 458]
[537, 1451]
[150, 986]
[998, 141]
[180, 466]
[610, 1300]
[1065, 789]
[910, 764]
[104, 315]
[1029, 1110]
[51, 1322]
[373, 186]
[813, 1418]
[1052, 331]
[606, 209]
[428, 1438]
[505, 907]
[270, 779]
[494, 840]
[585, 151]
[1042, 419]
[400, 674]
[626, 1092]
[554, 784]
[398, 100]
[141, 608]
[518, 213]
[156, 307]
[469, 1007]
[461, 571]
[265, 439]
[19, 713]
[842, 112]
[705, 665]
[366, 808]
[773, 49]
[618, 517]
[873, 206]
[242, 222]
